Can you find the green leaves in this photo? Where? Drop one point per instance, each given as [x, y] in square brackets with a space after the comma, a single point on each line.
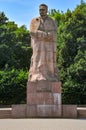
[71, 55]
[14, 43]
[3, 18]
[13, 86]
[15, 55]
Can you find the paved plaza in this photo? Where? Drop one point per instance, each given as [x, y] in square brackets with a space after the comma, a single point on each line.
[42, 124]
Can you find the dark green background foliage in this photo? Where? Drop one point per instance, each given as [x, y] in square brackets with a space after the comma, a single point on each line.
[13, 86]
[15, 55]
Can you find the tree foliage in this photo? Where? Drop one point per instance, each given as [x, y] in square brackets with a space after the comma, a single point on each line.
[72, 55]
[14, 45]
[15, 55]
[13, 86]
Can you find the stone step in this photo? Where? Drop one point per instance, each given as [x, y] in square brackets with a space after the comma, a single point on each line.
[5, 113]
[81, 112]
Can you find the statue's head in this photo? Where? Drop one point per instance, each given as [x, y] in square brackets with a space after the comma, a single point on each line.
[43, 9]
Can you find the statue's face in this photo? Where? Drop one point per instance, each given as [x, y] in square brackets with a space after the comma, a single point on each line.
[43, 11]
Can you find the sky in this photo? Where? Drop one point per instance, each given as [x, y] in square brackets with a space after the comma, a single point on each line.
[22, 11]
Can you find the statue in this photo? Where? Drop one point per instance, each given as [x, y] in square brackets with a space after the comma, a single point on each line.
[43, 43]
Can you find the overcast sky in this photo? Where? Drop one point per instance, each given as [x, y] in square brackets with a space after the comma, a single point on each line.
[22, 11]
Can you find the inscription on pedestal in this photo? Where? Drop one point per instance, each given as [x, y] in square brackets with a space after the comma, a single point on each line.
[44, 86]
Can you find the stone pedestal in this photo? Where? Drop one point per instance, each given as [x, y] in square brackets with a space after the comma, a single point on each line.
[44, 99]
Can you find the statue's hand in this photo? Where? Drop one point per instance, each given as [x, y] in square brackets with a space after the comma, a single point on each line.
[37, 34]
[33, 33]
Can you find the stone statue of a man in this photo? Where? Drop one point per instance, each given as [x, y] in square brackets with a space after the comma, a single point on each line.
[43, 43]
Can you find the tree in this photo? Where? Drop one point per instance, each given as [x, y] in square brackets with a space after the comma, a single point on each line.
[13, 86]
[3, 18]
[15, 54]
[14, 45]
[71, 57]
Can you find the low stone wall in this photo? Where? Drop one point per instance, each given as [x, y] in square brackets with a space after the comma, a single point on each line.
[33, 111]
[81, 112]
[69, 111]
[5, 113]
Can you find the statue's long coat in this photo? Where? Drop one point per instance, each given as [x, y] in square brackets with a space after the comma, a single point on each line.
[43, 42]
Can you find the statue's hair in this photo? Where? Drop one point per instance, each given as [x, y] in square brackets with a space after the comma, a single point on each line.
[43, 5]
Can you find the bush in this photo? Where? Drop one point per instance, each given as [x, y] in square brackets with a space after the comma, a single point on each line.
[13, 86]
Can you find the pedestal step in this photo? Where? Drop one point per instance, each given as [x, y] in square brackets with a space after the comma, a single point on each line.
[36, 111]
[43, 111]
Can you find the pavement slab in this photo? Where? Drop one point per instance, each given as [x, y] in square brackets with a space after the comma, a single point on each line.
[43, 124]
